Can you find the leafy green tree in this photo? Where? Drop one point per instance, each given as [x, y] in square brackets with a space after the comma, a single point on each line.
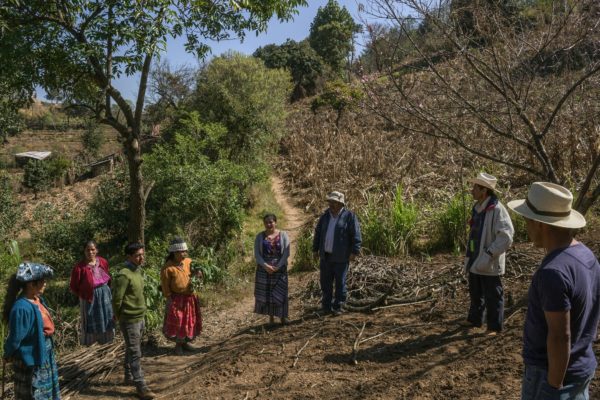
[11, 122]
[9, 208]
[37, 176]
[332, 34]
[339, 96]
[192, 193]
[76, 49]
[92, 138]
[300, 59]
[248, 99]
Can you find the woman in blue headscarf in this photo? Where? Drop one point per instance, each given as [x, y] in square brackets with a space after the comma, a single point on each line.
[30, 328]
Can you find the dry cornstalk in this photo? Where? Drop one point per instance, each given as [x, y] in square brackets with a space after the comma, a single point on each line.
[297, 356]
[356, 344]
[403, 304]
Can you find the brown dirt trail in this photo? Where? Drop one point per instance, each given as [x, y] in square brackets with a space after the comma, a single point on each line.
[408, 351]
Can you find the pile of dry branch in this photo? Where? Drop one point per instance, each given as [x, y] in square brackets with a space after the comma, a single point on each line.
[96, 362]
[378, 282]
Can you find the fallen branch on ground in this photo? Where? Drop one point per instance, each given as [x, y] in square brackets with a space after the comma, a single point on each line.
[297, 356]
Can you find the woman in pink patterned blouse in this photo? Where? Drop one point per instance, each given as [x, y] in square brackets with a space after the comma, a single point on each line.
[90, 281]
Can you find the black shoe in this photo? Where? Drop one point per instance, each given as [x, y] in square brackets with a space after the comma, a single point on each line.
[128, 380]
[144, 393]
[336, 312]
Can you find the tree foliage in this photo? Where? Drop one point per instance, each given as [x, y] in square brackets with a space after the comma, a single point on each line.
[37, 176]
[92, 138]
[75, 50]
[248, 99]
[305, 65]
[9, 208]
[203, 198]
[332, 35]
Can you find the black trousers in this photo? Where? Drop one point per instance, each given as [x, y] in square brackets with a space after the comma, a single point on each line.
[487, 295]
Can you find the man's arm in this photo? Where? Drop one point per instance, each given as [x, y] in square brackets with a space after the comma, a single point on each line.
[317, 238]
[356, 239]
[504, 231]
[558, 345]
[118, 292]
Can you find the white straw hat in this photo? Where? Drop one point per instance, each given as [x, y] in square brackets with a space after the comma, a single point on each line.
[336, 196]
[550, 204]
[485, 180]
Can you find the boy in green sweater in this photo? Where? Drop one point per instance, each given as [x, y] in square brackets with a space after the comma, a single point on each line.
[129, 307]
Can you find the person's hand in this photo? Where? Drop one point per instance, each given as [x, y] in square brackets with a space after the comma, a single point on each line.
[352, 257]
[269, 269]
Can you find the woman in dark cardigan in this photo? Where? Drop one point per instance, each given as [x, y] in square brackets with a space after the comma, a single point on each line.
[271, 251]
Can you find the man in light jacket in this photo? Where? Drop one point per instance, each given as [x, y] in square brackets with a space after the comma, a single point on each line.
[337, 242]
[490, 237]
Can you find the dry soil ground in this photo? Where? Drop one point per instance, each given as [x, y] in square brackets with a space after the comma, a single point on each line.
[422, 352]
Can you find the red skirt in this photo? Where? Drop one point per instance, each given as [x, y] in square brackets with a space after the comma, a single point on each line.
[183, 321]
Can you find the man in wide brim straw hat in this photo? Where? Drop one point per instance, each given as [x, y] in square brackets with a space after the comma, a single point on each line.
[336, 242]
[564, 305]
[490, 236]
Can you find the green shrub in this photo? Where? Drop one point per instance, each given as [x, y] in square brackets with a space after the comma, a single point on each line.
[303, 257]
[37, 176]
[520, 227]
[10, 258]
[10, 211]
[339, 96]
[92, 139]
[203, 198]
[58, 165]
[109, 209]
[404, 219]
[247, 98]
[155, 302]
[451, 225]
[376, 235]
[59, 239]
[388, 226]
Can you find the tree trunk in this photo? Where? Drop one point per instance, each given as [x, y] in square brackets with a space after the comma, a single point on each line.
[137, 198]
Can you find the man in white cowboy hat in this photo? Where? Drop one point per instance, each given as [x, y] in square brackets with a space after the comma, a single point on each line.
[564, 299]
[490, 236]
[337, 241]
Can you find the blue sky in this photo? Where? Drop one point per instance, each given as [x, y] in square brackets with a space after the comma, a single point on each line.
[277, 32]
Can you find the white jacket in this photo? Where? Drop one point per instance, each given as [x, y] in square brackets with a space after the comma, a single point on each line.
[496, 238]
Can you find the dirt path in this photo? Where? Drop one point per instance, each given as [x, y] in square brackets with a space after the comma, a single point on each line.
[163, 369]
[294, 217]
[409, 351]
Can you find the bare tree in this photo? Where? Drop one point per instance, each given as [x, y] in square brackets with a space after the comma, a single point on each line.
[516, 86]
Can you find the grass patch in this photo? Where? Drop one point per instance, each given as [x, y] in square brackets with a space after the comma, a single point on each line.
[262, 201]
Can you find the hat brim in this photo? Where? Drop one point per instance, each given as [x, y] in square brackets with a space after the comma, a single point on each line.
[574, 221]
[482, 183]
[334, 199]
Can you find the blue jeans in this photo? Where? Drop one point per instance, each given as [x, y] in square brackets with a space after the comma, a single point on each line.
[333, 272]
[535, 386]
[487, 295]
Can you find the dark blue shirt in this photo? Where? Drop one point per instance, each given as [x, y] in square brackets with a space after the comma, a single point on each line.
[568, 279]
